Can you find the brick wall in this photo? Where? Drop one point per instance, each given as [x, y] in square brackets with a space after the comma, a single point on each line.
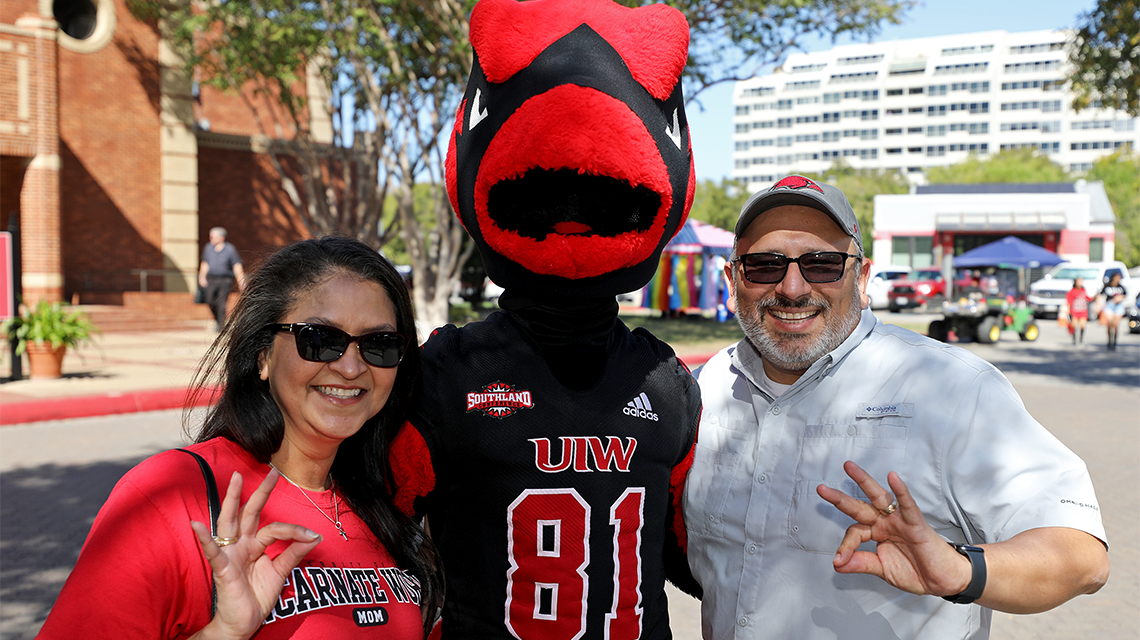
[109, 130]
[240, 191]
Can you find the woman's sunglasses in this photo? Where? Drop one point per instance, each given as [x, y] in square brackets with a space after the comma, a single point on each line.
[322, 343]
[818, 267]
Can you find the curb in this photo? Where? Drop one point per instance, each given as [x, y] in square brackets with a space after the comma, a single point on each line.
[103, 404]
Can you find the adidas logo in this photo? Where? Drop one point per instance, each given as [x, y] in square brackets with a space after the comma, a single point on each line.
[639, 407]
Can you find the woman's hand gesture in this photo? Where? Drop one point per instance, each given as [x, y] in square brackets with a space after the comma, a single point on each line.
[248, 581]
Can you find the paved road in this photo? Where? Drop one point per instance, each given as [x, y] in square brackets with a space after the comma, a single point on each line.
[55, 475]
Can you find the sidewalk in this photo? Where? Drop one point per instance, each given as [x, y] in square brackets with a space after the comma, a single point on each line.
[124, 373]
[116, 373]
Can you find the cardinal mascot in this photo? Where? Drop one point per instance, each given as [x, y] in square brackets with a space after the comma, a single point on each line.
[550, 443]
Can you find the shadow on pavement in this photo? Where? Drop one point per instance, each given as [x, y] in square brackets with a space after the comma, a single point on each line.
[45, 516]
[1089, 364]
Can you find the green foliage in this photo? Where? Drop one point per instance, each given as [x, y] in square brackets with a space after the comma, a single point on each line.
[861, 186]
[1120, 173]
[1019, 166]
[1105, 53]
[719, 204]
[48, 322]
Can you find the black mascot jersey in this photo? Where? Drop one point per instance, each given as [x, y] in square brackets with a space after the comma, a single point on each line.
[542, 495]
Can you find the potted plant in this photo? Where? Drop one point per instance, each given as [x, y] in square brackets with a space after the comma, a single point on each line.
[45, 332]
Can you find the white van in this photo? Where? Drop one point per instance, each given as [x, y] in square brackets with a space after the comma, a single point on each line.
[1048, 294]
[879, 285]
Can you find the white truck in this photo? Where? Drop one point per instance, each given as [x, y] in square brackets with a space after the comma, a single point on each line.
[1047, 295]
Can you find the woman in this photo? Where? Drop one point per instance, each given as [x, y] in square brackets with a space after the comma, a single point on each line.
[1077, 305]
[313, 389]
[1111, 303]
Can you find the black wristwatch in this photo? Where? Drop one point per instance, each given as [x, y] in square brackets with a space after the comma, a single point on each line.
[977, 558]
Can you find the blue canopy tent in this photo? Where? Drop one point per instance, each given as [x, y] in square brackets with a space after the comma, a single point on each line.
[1013, 255]
[1009, 250]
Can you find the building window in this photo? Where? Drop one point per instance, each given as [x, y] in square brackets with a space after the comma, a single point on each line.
[912, 251]
[830, 98]
[913, 130]
[757, 92]
[802, 85]
[936, 90]
[893, 132]
[937, 151]
[914, 91]
[934, 131]
[954, 69]
[1033, 67]
[960, 51]
[1045, 85]
[859, 60]
[865, 76]
[807, 68]
[894, 92]
[76, 18]
[741, 109]
[1096, 249]
[1037, 48]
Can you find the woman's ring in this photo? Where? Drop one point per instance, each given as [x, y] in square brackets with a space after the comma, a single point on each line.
[890, 509]
[223, 542]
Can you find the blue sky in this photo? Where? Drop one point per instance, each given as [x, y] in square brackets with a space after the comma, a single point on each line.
[712, 129]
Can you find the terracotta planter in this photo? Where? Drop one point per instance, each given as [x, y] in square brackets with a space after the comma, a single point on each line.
[44, 362]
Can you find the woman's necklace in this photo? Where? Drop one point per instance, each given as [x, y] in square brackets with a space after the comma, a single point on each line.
[336, 508]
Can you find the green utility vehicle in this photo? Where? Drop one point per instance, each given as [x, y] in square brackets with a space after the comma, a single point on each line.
[993, 302]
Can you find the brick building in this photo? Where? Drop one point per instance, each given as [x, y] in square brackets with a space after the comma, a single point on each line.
[116, 164]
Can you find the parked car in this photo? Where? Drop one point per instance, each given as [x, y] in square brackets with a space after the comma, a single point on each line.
[1048, 294]
[879, 284]
[920, 287]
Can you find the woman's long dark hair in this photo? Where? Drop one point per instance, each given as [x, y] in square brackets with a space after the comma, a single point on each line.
[247, 414]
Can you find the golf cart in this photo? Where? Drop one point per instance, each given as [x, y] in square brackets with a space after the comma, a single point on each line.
[981, 311]
[994, 299]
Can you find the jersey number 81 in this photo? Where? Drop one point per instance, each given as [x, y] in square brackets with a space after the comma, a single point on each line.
[548, 544]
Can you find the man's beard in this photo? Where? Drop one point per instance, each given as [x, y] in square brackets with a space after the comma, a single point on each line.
[797, 352]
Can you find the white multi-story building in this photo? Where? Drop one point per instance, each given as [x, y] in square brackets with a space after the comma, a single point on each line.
[906, 105]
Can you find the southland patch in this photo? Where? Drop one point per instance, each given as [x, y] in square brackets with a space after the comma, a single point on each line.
[499, 400]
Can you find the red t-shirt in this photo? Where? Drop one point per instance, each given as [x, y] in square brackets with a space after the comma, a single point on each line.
[141, 573]
[1078, 301]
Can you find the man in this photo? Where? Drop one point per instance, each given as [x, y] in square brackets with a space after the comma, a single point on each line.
[220, 266]
[819, 389]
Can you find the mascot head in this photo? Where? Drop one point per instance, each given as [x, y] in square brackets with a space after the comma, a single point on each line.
[570, 163]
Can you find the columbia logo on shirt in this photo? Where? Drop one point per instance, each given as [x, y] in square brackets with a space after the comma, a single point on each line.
[640, 407]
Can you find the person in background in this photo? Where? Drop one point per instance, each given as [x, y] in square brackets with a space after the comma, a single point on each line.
[1110, 301]
[983, 509]
[220, 267]
[1077, 308]
[317, 370]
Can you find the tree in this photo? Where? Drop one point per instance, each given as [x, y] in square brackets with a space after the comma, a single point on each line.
[719, 204]
[393, 73]
[1120, 173]
[1105, 53]
[1021, 165]
[861, 186]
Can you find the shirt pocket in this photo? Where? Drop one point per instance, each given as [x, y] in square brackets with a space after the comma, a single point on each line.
[877, 445]
[707, 489]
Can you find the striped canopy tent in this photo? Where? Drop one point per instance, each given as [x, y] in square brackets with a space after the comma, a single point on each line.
[689, 274]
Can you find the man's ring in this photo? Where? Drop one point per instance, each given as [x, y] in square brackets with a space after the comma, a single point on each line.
[223, 542]
[890, 509]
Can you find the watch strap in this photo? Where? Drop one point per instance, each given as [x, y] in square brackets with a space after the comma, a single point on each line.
[973, 591]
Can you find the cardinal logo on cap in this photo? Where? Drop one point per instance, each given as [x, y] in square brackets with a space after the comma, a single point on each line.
[796, 182]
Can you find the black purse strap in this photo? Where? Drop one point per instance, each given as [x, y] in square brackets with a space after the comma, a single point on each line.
[215, 511]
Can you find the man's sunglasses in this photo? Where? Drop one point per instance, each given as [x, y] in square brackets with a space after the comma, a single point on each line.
[817, 267]
[322, 343]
